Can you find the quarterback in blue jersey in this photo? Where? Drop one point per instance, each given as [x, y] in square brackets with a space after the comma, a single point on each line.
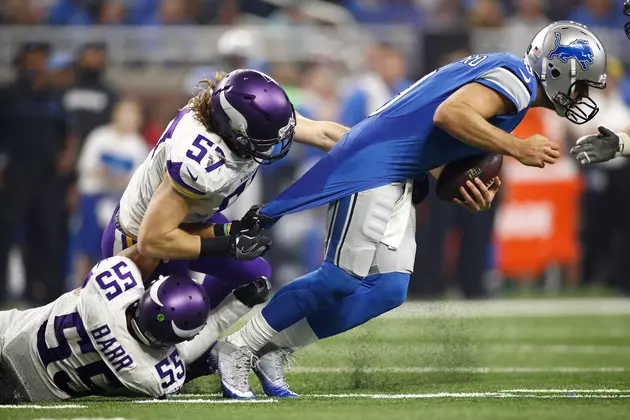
[466, 108]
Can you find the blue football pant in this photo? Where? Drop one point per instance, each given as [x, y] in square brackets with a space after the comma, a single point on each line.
[361, 277]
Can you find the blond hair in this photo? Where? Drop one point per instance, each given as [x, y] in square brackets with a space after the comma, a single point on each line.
[201, 104]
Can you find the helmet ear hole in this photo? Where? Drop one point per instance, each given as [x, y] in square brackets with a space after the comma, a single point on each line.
[555, 73]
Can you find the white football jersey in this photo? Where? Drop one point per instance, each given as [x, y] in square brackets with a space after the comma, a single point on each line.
[199, 165]
[80, 344]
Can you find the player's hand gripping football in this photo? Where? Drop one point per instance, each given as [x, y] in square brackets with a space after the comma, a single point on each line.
[537, 151]
[597, 148]
[478, 197]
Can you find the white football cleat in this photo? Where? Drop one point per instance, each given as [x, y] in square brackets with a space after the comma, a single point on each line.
[270, 371]
[233, 364]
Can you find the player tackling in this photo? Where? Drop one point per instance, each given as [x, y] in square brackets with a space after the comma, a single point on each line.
[466, 108]
[206, 158]
[114, 337]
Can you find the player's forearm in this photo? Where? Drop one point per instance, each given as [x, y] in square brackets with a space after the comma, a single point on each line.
[321, 134]
[227, 313]
[464, 123]
[176, 244]
[330, 133]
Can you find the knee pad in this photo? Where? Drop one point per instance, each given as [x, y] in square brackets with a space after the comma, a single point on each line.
[326, 286]
[392, 290]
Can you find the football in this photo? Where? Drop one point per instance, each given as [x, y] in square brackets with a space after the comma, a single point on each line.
[455, 174]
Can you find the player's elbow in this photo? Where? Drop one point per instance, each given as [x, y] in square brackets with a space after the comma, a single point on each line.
[150, 244]
[444, 115]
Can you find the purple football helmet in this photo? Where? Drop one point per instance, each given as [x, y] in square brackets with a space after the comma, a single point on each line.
[173, 309]
[253, 115]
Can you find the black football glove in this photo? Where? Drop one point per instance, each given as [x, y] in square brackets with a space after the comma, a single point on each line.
[252, 220]
[597, 147]
[253, 294]
[420, 189]
[248, 245]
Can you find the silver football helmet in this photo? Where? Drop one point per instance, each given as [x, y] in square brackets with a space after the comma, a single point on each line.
[569, 58]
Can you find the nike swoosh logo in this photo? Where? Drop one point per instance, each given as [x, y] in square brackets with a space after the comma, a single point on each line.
[194, 178]
[527, 79]
[250, 249]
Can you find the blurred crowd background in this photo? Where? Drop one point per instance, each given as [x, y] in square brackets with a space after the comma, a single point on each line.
[89, 85]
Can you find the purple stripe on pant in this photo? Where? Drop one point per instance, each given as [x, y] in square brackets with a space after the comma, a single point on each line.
[222, 274]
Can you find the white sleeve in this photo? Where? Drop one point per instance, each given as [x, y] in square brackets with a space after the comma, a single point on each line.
[88, 158]
[141, 152]
[102, 306]
[508, 84]
[223, 317]
[195, 165]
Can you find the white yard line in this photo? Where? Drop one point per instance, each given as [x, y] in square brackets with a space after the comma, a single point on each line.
[502, 394]
[459, 395]
[471, 369]
[176, 396]
[43, 407]
[505, 308]
[82, 418]
[569, 391]
[205, 401]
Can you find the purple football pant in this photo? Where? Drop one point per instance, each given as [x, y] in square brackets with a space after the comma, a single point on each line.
[222, 275]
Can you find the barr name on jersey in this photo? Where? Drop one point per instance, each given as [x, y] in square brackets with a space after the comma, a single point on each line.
[104, 339]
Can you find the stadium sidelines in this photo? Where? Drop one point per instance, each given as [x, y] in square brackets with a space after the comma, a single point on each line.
[500, 308]
[512, 308]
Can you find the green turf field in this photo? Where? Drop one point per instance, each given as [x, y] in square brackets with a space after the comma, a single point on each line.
[505, 360]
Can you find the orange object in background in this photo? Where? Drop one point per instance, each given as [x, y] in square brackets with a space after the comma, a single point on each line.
[537, 223]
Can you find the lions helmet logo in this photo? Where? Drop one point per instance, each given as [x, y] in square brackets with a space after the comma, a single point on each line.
[580, 50]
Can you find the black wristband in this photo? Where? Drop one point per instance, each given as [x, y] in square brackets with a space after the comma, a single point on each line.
[215, 247]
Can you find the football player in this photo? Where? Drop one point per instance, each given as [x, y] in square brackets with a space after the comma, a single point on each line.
[207, 157]
[466, 108]
[114, 337]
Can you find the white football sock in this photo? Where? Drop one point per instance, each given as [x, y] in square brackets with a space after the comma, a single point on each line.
[255, 334]
[295, 337]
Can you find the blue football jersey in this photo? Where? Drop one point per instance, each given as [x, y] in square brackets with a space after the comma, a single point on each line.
[399, 141]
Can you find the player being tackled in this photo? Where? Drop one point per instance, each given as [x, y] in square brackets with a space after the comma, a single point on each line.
[466, 108]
